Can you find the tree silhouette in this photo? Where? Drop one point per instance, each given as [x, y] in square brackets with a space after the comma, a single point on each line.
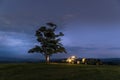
[49, 41]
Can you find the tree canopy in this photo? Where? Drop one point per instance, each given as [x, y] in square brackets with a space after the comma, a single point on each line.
[49, 41]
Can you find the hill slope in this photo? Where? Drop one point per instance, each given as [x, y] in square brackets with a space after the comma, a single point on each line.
[37, 71]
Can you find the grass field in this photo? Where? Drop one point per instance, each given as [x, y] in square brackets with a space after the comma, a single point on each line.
[37, 71]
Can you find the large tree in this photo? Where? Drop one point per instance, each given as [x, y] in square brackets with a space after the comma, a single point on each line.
[49, 41]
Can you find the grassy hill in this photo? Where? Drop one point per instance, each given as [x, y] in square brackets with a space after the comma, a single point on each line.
[38, 71]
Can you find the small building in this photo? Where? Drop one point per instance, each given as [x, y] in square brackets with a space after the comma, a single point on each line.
[71, 59]
[91, 61]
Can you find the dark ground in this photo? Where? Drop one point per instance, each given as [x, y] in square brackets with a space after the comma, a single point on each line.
[55, 71]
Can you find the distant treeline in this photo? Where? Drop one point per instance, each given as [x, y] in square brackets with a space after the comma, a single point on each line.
[106, 61]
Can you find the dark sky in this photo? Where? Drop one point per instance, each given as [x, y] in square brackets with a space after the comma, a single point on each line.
[91, 27]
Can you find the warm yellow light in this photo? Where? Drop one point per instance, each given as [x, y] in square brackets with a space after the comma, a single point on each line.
[69, 60]
[73, 57]
[83, 60]
[78, 62]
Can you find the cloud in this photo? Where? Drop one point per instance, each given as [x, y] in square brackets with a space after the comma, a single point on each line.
[15, 44]
[1, 1]
[90, 26]
[14, 39]
[114, 48]
[21, 14]
[93, 52]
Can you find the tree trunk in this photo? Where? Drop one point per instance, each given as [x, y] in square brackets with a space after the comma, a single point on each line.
[47, 57]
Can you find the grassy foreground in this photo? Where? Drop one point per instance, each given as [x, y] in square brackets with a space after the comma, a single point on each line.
[37, 71]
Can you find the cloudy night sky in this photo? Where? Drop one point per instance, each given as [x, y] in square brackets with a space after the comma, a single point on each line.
[91, 27]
